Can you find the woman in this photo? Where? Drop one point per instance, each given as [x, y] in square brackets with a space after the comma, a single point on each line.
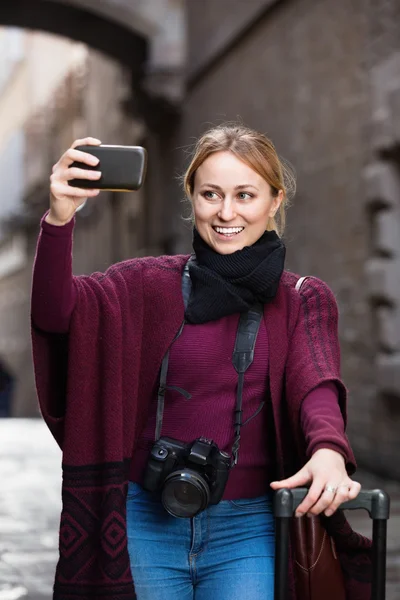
[99, 343]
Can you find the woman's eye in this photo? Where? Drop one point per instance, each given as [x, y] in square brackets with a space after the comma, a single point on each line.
[209, 195]
[244, 196]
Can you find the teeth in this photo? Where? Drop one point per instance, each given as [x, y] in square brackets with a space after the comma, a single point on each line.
[228, 230]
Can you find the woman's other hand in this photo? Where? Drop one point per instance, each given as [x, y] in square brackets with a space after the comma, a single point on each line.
[330, 485]
[65, 199]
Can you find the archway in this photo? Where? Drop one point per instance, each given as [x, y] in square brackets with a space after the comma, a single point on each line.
[99, 26]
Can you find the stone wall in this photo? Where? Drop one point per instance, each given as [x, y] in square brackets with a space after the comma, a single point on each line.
[382, 205]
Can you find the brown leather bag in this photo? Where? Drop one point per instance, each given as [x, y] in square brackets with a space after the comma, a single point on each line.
[318, 575]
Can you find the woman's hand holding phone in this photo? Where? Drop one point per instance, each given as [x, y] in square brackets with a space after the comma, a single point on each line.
[65, 200]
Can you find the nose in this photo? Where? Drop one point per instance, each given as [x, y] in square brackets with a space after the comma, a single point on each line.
[227, 211]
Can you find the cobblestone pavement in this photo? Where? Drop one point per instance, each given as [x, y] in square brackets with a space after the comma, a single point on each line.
[30, 483]
[30, 480]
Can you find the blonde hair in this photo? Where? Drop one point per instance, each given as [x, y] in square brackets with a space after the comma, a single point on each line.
[254, 149]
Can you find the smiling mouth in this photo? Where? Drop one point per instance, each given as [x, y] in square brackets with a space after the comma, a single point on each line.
[228, 231]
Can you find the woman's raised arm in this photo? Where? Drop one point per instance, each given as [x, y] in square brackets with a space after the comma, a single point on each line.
[53, 291]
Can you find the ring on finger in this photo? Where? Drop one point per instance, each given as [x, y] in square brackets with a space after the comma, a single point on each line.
[331, 488]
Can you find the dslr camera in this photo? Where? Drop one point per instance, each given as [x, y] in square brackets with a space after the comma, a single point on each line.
[190, 476]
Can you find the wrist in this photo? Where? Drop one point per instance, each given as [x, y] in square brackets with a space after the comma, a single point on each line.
[326, 451]
[52, 220]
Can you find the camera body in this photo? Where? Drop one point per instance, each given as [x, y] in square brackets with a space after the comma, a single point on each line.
[192, 474]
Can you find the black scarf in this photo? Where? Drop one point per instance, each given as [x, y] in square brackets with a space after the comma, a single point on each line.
[224, 284]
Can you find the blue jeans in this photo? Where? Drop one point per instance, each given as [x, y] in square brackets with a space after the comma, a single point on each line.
[224, 553]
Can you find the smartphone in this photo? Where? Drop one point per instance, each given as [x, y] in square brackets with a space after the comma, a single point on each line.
[123, 168]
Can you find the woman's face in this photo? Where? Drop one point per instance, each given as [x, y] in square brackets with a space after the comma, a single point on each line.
[231, 202]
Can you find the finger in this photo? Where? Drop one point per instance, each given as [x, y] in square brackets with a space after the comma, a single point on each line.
[342, 495]
[88, 141]
[311, 499]
[63, 189]
[297, 480]
[64, 175]
[72, 155]
[355, 489]
[326, 500]
[76, 173]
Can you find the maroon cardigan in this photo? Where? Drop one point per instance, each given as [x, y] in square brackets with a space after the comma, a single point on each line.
[95, 386]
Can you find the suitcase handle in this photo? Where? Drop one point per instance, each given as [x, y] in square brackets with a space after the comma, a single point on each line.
[375, 502]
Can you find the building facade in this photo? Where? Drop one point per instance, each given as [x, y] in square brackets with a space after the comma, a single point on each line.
[22, 96]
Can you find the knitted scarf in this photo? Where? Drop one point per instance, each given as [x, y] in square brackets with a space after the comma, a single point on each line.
[224, 284]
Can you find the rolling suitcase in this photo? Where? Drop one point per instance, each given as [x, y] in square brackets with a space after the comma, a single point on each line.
[377, 504]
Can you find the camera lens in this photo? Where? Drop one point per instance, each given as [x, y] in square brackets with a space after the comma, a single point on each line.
[185, 494]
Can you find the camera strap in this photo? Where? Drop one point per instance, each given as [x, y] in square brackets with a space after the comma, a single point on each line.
[243, 356]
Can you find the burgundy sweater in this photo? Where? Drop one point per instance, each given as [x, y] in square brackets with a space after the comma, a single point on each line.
[97, 403]
[201, 363]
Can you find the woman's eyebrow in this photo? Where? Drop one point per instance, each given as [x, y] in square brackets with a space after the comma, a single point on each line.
[245, 185]
[238, 187]
[211, 185]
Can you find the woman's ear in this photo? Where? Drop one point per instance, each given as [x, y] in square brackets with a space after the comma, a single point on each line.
[276, 202]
